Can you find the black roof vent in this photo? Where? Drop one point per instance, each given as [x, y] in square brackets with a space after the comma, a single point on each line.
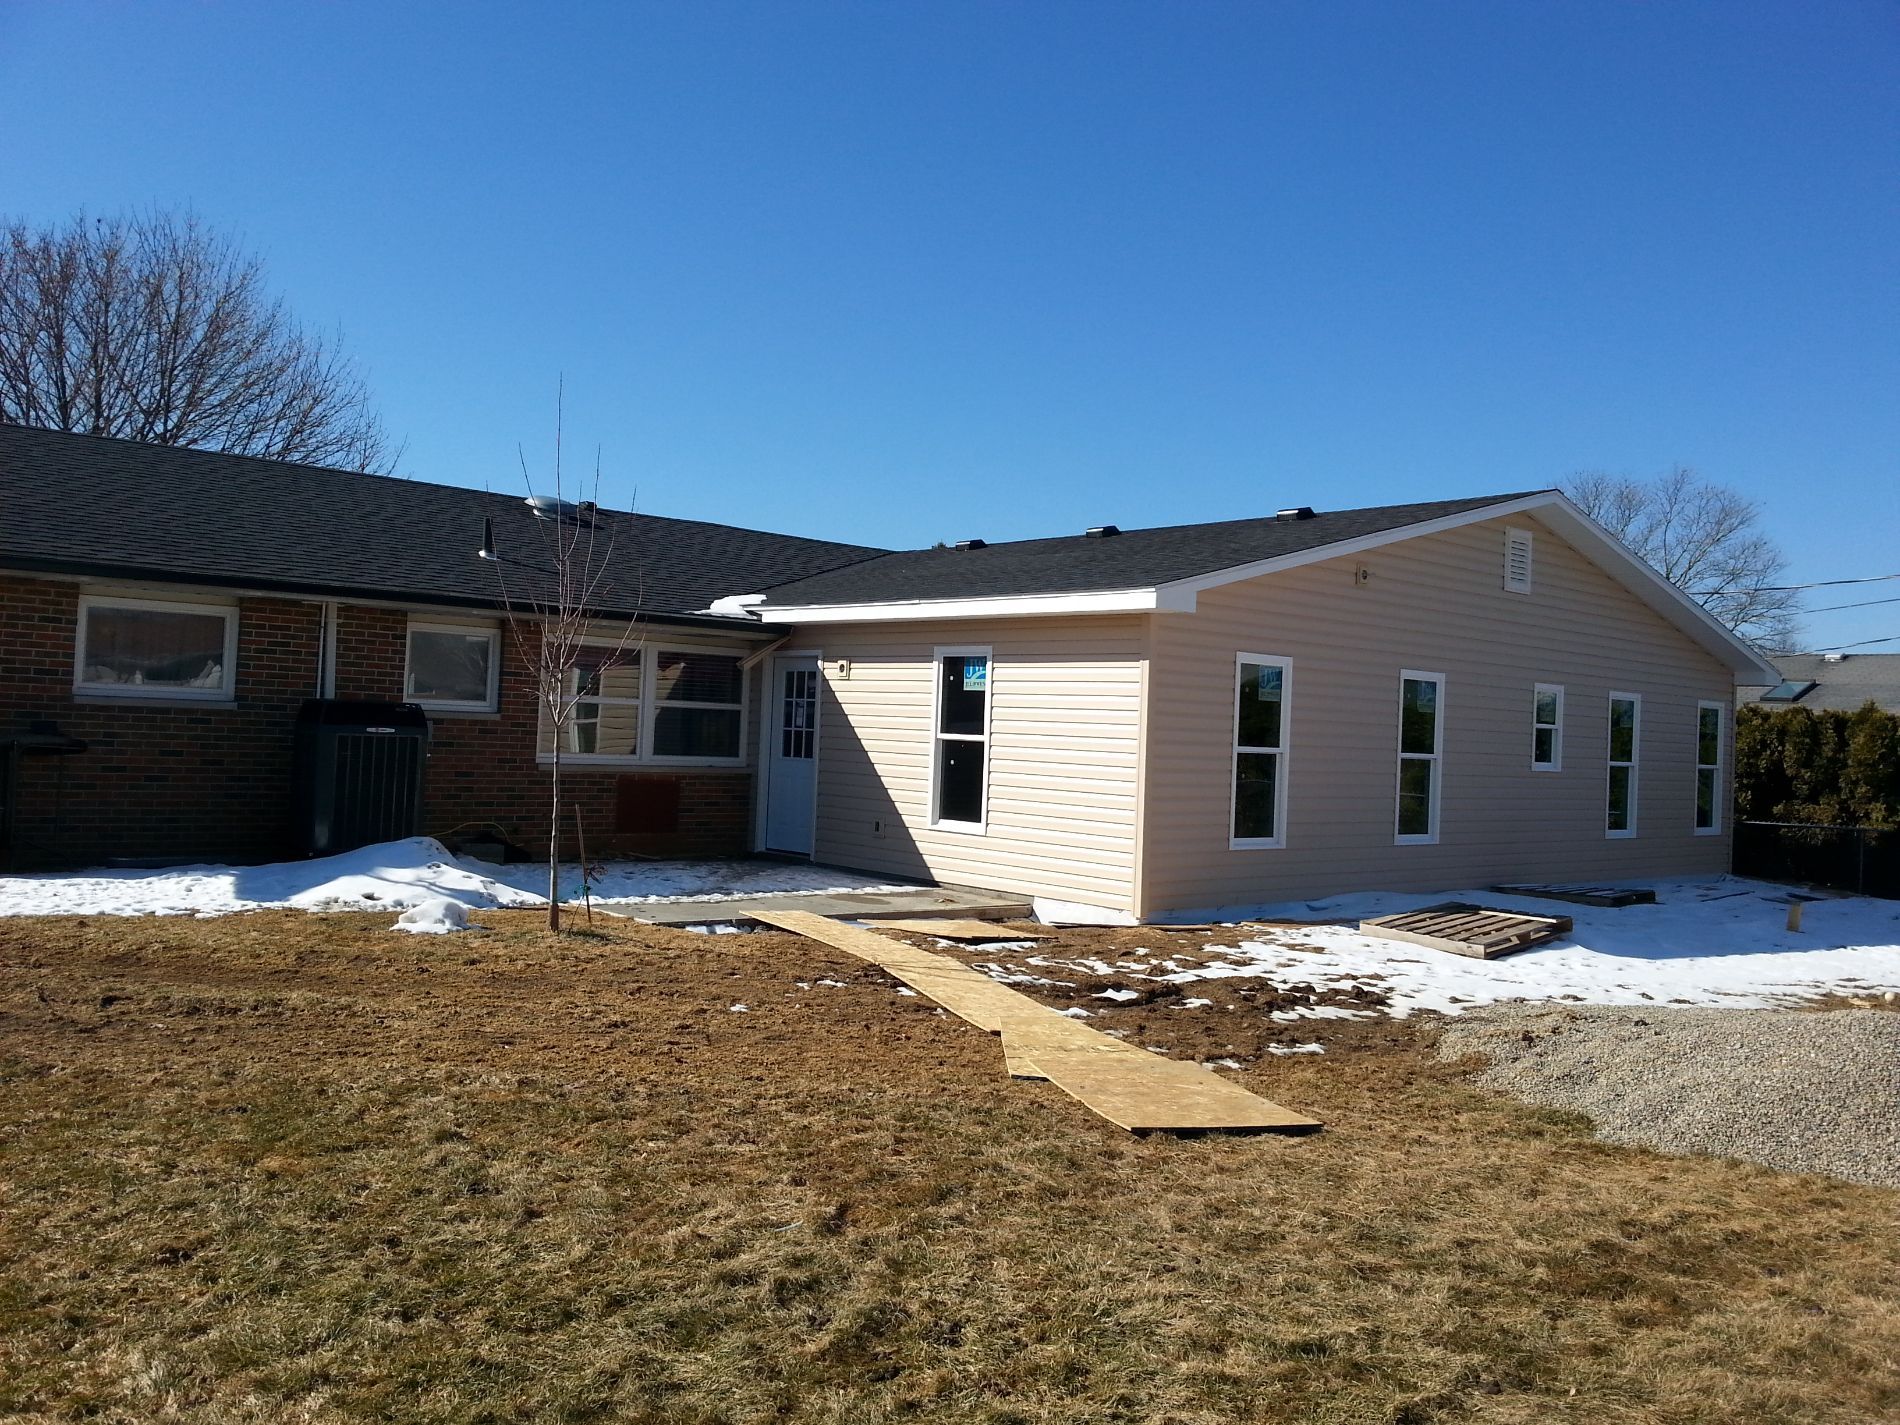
[973, 544]
[1298, 512]
[1101, 531]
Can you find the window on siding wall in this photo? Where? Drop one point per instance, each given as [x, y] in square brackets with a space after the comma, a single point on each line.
[452, 667]
[1708, 769]
[1261, 692]
[1547, 727]
[960, 795]
[699, 703]
[1421, 756]
[606, 719]
[154, 648]
[1626, 715]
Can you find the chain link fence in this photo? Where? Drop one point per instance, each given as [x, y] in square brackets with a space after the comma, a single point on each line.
[1862, 859]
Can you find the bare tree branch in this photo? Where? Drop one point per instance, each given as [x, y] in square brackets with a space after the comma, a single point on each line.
[552, 624]
[154, 328]
[1704, 538]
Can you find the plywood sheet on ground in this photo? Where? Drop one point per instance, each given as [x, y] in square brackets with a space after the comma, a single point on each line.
[1475, 930]
[1128, 1086]
[1612, 897]
[962, 929]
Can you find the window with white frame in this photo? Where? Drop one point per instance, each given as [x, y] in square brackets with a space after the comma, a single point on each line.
[961, 739]
[604, 684]
[1421, 756]
[699, 705]
[154, 648]
[1708, 769]
[453, 667]
[1626, 716]
[1547, 727]
[1262, 687]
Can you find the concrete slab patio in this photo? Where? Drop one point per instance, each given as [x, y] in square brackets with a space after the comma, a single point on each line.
[921, 902]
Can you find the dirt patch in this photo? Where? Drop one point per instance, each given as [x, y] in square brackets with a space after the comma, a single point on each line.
[278, 1167]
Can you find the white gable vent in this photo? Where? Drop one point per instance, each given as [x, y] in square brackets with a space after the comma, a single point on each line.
[1517, 561]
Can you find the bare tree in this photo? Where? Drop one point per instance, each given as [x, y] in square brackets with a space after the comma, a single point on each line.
[1705, 539]
[551, 606]
[154, 328]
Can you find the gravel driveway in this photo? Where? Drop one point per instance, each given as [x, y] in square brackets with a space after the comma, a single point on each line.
[1803, 1091]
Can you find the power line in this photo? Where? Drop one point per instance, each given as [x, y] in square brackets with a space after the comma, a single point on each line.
[1864, 643]
[1796, 588]
[1864, 604]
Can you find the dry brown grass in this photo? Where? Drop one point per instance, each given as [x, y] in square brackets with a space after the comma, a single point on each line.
[280, 1167]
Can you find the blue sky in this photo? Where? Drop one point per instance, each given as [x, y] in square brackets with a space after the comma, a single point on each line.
[900, 272]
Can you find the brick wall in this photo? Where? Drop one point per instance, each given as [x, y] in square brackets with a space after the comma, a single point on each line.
[185, 779]
[213, 781]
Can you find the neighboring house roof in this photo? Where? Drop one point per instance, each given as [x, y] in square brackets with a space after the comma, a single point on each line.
[90, 505]
[1165, 569]
[1824, 682]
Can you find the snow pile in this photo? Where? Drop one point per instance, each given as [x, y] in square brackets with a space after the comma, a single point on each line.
[440, 916]
[1722, 942]
[400, 874]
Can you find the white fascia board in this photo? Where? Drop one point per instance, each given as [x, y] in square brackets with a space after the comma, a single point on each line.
[1562, 514]
[1107, 601]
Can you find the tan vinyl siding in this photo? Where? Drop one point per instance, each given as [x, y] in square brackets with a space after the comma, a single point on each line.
[1063, 757]
[1435, 604]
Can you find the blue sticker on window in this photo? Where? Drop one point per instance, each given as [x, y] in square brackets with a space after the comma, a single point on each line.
[976, 674]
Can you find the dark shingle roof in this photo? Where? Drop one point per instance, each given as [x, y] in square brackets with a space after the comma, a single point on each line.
[1133, 559]
[1843, 684]
[91, 505]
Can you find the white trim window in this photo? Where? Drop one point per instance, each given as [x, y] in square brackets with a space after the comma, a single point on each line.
[155, 648]
[960, 739]
[698, 699]
[452, 667]
[1708, 768]
[1421, 757]
[1547, 727]
[1263, 687]
[1620, 795]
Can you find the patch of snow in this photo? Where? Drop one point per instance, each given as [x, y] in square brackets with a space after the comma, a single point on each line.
[1707, 942]
[1225, 1063]
[1056, 912]
[1296, 1048]
[907, 992]
[737, 1009]
[1194, 1003]
[401, 874]
[440, 916]
[1119, 996]
[832, 984]
[1074, 1013]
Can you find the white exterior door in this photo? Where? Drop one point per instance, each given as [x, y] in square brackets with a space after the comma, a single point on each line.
[791, 764]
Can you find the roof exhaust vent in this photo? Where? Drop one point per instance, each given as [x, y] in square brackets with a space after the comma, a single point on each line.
[973, 544]
[1298, 512]
[1101, 531]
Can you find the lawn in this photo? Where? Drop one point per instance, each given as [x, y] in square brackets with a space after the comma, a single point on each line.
[291, 1167]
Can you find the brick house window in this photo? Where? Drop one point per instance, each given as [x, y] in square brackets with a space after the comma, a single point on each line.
[453, 667]
[152, 648]
[685, 706]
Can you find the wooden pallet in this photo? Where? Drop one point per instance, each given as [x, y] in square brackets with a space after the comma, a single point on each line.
[1610, 897]
[1478, 931]
[1128, 1086]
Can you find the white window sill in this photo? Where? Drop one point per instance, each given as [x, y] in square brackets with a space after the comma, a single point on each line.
[149, 700]
[962, 828]
[1415, 840]
[1546, 767]
[1619, 836]
[1708, 831]
[457, 709]
[1256, 843]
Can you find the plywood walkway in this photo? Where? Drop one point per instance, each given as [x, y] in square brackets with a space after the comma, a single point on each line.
[1128, 1086]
